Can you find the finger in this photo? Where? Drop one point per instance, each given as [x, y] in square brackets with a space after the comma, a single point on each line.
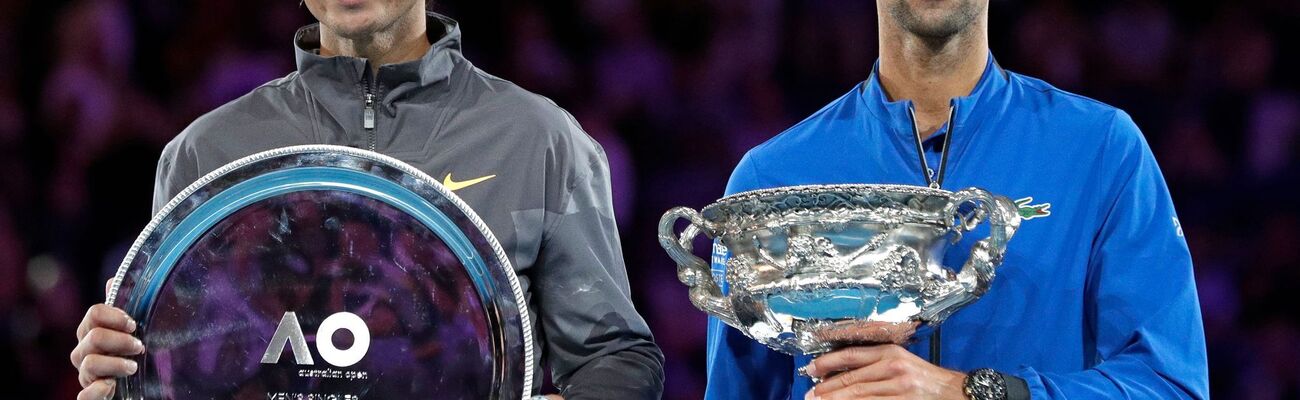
[108, 287]
[850, 358]
[107, 342]
[878, 371]
[873, 390]
[99, 366]
[98, 390]
[106, 316]
[871, 398]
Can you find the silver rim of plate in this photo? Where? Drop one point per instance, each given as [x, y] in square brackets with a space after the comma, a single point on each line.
[165, 218]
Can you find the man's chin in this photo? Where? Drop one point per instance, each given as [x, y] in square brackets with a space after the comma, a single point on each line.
[936, 29]
[936, 22]
[352, 27]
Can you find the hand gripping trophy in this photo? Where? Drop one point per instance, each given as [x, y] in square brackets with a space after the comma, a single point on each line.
[816, 268]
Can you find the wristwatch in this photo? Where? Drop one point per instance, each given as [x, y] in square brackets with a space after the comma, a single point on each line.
[985, 384]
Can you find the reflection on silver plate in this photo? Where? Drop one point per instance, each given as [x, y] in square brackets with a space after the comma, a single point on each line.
[322, 272]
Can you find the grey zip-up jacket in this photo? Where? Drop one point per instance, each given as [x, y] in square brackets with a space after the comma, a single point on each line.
[547, 199]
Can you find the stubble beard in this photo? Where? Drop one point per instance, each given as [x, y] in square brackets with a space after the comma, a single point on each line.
[380, 30]
[937, 31]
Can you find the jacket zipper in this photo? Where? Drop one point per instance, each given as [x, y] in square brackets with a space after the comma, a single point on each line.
[368, 118]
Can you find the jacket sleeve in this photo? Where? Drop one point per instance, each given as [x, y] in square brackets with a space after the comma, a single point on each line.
[740, 367]
[599, 347]
[1141, 304]
[177, 169]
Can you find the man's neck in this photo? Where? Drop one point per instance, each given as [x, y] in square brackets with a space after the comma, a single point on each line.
[931, 72]
[404, 40]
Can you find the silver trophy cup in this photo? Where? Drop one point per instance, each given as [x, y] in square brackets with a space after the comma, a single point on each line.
[815, 268]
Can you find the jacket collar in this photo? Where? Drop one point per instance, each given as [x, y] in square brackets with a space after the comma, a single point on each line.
[987, 98]
[435, 66]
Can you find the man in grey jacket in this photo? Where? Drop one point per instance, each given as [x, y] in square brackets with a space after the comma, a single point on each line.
[386, 76]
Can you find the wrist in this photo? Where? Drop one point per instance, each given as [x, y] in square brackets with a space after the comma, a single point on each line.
[955, 387]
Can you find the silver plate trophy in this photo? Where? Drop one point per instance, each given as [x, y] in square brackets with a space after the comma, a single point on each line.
[322, 272]
[815, 268]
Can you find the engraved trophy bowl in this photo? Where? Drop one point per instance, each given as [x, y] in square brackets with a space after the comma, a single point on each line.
[815, 268]
[322, 272]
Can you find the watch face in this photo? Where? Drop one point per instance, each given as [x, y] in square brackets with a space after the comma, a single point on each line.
[985, 384]
[322, 272]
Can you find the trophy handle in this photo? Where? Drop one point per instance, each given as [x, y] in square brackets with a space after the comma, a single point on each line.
[977, 273]
[1003, 218]
[692, 270]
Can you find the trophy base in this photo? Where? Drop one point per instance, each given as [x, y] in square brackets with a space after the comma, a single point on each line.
[848, 333]
[839, 334]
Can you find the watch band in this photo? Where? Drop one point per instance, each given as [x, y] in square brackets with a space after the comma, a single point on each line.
[1017, 388]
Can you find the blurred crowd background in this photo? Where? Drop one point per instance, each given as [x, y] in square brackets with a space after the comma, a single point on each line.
[676, 91]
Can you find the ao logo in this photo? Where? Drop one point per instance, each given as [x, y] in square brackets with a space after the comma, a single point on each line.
[290, 332]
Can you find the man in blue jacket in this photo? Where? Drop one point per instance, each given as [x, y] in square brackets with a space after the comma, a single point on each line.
[1095, 298]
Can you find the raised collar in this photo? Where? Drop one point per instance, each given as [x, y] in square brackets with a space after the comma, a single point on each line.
[987, 98]
[435, 66]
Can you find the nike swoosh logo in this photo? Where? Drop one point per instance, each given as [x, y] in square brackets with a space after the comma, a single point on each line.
[454, 185]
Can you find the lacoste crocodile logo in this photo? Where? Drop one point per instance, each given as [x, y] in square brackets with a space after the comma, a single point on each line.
[1031, 211]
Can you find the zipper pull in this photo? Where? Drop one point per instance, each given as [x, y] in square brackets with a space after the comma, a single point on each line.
[368, 119]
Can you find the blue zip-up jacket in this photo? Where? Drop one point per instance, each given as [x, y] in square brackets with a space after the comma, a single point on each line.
[1095, 298]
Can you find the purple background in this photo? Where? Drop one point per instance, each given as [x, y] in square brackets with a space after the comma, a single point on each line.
[676, 91]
